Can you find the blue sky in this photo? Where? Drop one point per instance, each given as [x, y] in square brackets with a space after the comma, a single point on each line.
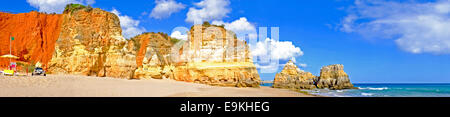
[403, 41]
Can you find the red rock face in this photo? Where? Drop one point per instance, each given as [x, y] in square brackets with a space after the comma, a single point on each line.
[35, 36]
[142, 50]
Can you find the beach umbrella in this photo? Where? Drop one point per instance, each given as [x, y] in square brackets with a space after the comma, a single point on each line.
[9, 56]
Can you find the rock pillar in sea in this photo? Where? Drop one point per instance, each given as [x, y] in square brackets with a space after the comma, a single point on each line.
[334, 77]
[291, 77]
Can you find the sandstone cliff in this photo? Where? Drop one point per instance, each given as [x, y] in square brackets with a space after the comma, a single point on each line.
[153, 56]
[334, 77]
[214, 56]
[291, 77]
[211, 56]
[35, 36]
[91, 43]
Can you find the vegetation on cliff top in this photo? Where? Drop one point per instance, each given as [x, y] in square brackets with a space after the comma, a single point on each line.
[174, 40]
[137, 43]
[70, 8]
[207, 24]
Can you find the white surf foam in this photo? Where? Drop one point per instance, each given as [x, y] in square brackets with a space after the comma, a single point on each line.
[367, 94]
[371, 88]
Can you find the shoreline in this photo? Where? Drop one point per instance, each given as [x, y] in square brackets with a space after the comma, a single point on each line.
[89, 86]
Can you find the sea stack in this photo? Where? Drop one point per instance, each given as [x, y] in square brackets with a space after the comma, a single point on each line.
[333, 77]
[291, 77]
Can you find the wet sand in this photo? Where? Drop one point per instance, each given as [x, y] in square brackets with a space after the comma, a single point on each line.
[86, 86]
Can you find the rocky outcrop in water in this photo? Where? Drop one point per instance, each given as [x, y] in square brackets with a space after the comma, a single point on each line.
[331, 77]
[334, 77]
[291, 77]
[91, 43]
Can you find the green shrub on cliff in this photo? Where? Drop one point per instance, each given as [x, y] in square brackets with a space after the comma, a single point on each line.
[207, 24]
[164, 35]
[73, 7]
[174, 40]
[137, 42]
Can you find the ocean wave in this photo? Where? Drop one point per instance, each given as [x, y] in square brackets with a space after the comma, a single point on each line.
[367, 94]
[371, 88]
[335, 94]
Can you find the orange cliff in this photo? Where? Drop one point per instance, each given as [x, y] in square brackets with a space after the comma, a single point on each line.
[34, 35]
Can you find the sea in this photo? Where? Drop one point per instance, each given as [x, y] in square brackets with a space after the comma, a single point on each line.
[386, 90]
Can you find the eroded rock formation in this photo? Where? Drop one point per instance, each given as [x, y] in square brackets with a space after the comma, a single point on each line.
[91, 43]
[331, 77]
[34, 35]
[214, 56]
[291, 77]
[334, 77]
[154, 56]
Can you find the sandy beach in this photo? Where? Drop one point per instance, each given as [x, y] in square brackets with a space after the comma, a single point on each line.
[84, 86]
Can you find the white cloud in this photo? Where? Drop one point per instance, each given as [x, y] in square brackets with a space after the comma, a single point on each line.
[56, 6]
[272, 67]
[90, 2]
[277, 50]
[293, 59]
[267, 54]
[241, 27]
[303, 65]
[416, 27]
[208, 10]
[130, 26]
[178, 35]
[165, 8]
